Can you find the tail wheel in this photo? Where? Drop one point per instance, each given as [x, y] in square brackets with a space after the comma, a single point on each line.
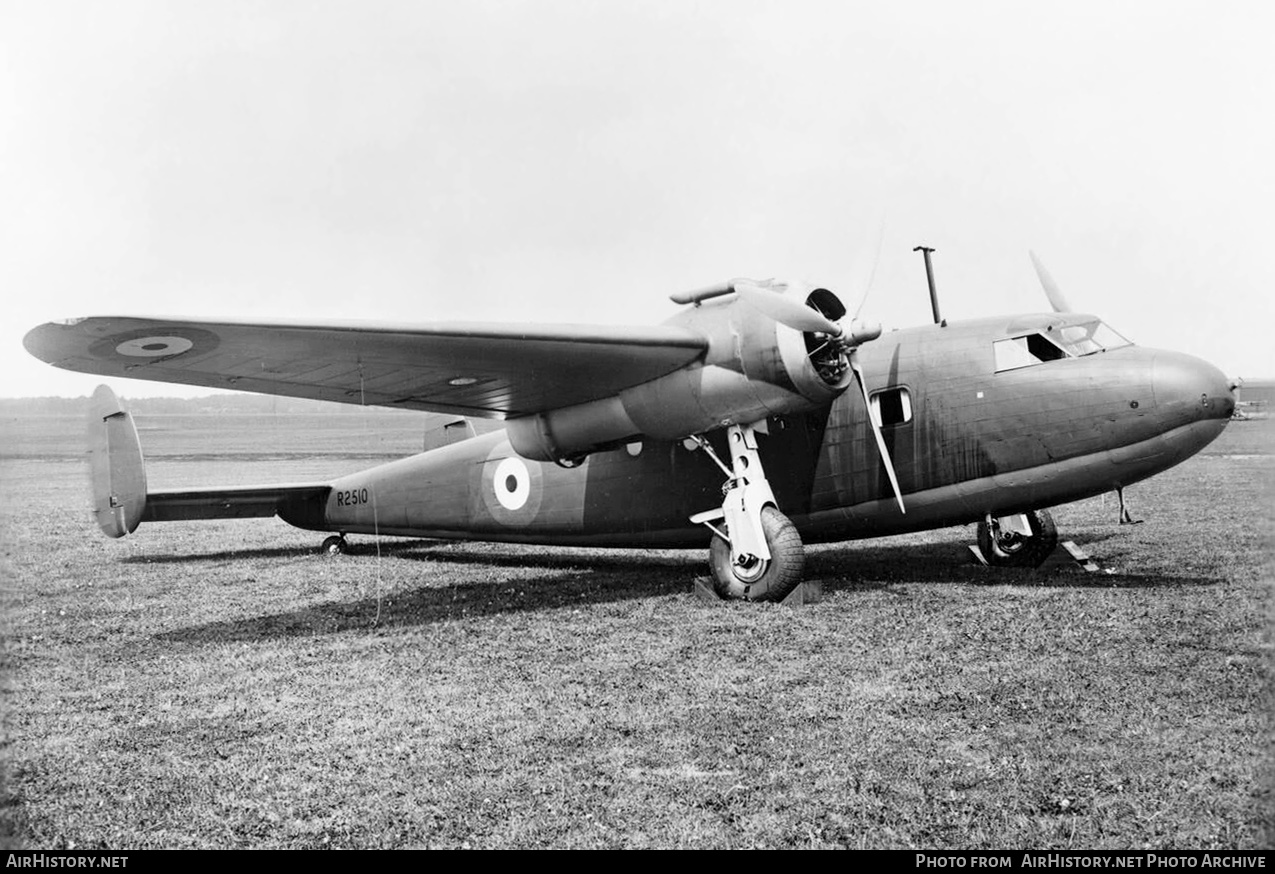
[1004, 548]
[334, 545]
[758, 580]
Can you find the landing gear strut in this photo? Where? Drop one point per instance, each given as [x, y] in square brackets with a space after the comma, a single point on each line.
[1125, 517]
[757, 554]
[1022, 540]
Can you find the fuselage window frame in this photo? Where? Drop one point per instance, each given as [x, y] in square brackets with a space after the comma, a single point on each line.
[891, 407]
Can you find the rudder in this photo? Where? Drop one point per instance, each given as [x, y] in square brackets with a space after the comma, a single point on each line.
[115, 462]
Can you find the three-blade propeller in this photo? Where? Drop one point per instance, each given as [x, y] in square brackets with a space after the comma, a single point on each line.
[801, 317]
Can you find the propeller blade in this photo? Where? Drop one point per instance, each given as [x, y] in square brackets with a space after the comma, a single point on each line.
[876, 430]
[787, 311]
[1052, 291]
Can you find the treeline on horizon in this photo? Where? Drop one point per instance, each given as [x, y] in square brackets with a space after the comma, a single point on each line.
[229, 404]
[1253, 391]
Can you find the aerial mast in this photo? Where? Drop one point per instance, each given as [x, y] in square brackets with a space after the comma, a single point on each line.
[929, 276]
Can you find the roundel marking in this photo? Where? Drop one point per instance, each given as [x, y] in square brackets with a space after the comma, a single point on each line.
[153, 347]
[510, 488]
[147, 345]
[512, 483]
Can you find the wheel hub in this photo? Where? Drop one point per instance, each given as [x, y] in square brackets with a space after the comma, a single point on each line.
[1009, 540]
[750, 568]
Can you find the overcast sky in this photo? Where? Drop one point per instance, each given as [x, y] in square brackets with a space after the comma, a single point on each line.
[560, 161]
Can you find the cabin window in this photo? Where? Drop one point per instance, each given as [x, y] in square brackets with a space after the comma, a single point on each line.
[892, 406]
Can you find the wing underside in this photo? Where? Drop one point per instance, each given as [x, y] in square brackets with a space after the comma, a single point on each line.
[483, 370]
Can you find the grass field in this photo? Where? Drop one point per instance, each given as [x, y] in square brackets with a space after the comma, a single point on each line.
[222, 685]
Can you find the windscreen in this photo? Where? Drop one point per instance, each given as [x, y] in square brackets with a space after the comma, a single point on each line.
[1067, 341]
[1087, 338]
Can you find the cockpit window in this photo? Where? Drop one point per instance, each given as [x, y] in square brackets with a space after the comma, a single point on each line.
[1025, 351]
[1066, 341]
[1087, 338]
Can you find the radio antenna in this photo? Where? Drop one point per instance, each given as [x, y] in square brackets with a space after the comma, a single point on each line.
[929, 277]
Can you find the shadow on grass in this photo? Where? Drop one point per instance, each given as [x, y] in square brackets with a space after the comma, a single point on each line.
[857, 568]
[223, 555]
[446, 551]
[441, 552]
[590, 578]
[599, 561]
[607, 581]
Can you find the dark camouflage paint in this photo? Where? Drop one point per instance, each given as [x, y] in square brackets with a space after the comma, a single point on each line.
[978, 442]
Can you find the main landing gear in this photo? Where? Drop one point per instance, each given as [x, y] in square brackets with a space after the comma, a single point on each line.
[1021, 540]
[756, 553]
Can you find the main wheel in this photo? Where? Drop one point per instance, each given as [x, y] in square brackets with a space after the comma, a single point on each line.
[1011, 549]
[760, 580]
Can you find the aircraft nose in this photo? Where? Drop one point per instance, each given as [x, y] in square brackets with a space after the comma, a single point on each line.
[1191, 385]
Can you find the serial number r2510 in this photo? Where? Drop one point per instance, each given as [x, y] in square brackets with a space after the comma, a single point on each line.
[351, 497]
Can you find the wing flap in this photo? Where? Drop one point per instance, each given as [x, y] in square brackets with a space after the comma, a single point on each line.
[474, 369]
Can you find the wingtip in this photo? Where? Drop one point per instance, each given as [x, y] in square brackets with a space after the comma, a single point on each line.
[42, 340]
[32, 341]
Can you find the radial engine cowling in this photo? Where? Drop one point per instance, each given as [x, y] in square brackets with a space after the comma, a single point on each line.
[754, 367]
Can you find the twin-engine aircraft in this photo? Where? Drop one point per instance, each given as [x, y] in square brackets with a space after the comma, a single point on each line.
[756, 418]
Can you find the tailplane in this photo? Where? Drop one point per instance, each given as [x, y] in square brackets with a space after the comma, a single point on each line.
[121, 501]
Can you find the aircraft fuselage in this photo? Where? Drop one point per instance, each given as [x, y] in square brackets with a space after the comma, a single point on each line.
[969, 433]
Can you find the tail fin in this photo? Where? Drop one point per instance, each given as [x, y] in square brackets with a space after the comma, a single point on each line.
[115, 457]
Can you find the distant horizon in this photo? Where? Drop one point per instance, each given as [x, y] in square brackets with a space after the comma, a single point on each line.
[1247, 382]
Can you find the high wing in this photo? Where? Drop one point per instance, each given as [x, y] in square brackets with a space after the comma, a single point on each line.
[485, 370]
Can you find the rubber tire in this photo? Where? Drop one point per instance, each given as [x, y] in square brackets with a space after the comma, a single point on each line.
[1027, 552]
[334, 545]
[776, 579]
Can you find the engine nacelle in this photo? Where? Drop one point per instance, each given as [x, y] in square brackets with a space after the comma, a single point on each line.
[754, 368]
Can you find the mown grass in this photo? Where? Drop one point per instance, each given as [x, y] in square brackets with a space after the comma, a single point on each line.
[221, 685]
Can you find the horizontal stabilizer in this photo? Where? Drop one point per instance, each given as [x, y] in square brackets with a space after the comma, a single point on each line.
[300, 502]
